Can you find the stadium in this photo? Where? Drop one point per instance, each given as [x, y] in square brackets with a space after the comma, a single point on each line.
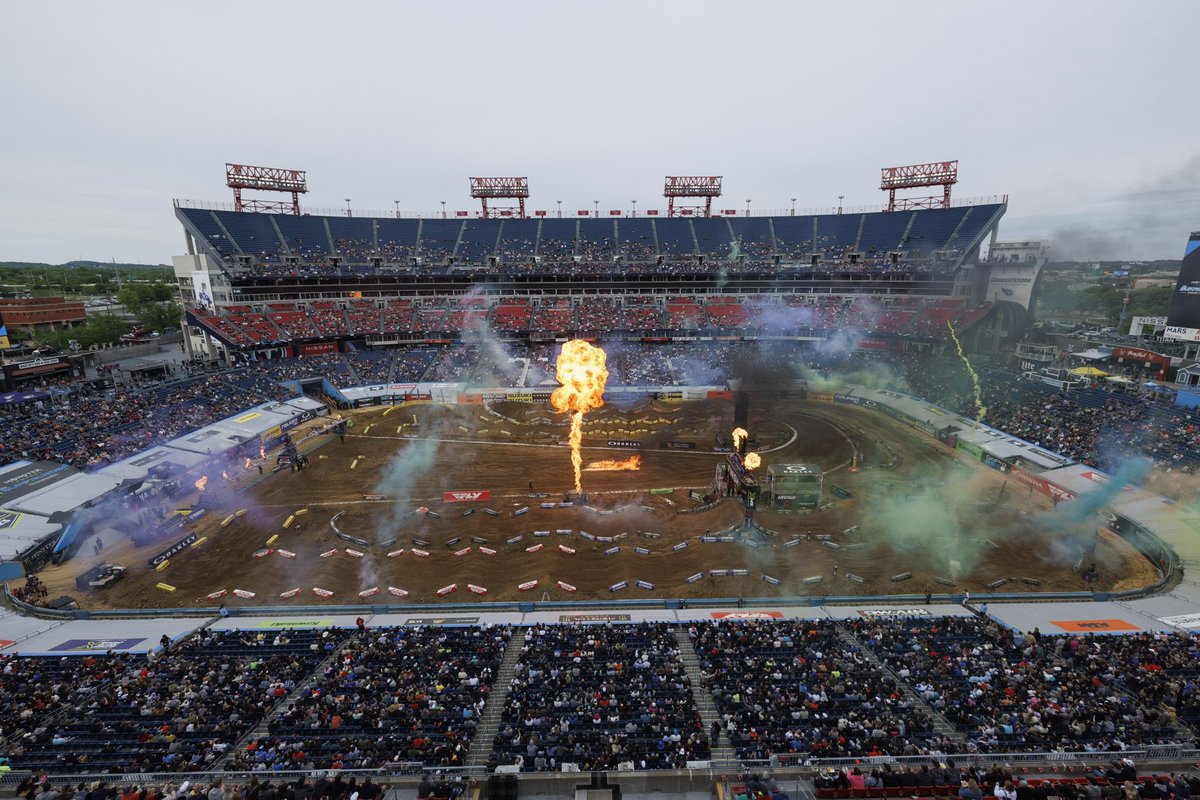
[677, 498]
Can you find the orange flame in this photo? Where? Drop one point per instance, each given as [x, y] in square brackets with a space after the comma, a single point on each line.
[201, 482]
[614, 465]
[739, 435]
[752, 461]
[248, 464]
[262, 453]
[582, 371]
[224, 474]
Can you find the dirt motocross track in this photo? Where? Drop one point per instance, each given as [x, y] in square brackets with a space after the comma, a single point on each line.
[918, 507]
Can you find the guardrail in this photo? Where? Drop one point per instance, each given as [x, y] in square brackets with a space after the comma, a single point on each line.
[1181, 754]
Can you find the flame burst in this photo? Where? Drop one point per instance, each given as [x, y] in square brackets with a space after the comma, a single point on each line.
[752, 461]
[582, 372]
[615, 465]
[739, 435]
[201, 482]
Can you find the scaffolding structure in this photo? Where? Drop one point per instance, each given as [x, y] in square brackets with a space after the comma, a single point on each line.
[266, 179]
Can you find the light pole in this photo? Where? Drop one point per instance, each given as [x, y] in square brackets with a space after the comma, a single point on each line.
[793, 206]
[443, 209]
[597, 202]
[840, 198]
[347, 206]
[635, 208]
[747, 206]
[397, 202]
[559, 208]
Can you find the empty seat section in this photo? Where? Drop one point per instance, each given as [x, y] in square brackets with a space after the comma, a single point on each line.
[636, 239]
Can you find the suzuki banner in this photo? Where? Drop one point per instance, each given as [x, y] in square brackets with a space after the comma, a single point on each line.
[481, 496]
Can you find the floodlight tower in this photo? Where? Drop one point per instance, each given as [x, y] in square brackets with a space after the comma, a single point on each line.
[937, 173]
[695, 187]
[265, 179]
[484, 189]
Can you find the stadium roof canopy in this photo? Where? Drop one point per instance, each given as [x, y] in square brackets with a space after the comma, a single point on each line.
[26, 477]
[68, 494]
[19, 532]
[166, 460]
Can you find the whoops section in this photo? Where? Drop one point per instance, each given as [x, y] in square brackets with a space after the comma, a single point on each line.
[343, 555]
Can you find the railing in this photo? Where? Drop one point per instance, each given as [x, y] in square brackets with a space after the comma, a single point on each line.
[605, 213]
[1181, 754]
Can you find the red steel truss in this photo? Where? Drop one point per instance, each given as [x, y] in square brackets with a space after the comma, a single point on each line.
[691, 186]
[265, 179]
[937, 173]
[484, 189]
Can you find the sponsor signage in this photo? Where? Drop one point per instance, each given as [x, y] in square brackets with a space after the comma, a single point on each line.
[480, 496]
[1092, 625]
[882, 613]
[174, 549]
[628, 443]
[1137, 354]
[855, 400]
[441, 621]
[1044, 486]
[994, 462]
[37, 366]
[1183, 620]
[197, 514]
[1184, 313]
[295, 623]
[679, 445]
[89, 645]
[8, 519]
[594, 618]
[747, 614]
[29, 478]
[318, 349]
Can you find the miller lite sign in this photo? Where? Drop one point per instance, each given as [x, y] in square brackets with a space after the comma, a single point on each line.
[481, 496]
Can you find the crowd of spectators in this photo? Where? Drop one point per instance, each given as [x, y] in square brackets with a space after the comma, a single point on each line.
[600, 697]
[799, 687]
[177, 712]
[95, 426]
[392, 696]
[1011, 692]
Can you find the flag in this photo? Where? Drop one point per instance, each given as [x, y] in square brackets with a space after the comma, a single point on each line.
[4, 343]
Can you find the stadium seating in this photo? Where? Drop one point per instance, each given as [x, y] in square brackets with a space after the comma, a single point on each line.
[478, 242]
[175, 715]
[800, 687]
[328, 319]
[397, 239]
[636, 237]
[438, 239]
[599, 697]
[556, 241]
[288, 246]
[518, 240]
[393, 695]
[597, 241]
[305, 236]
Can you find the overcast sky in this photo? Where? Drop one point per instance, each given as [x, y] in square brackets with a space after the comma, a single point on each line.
[1084, 113]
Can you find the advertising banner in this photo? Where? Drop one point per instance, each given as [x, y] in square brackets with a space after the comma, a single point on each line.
[174, 549]
[481, 496]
